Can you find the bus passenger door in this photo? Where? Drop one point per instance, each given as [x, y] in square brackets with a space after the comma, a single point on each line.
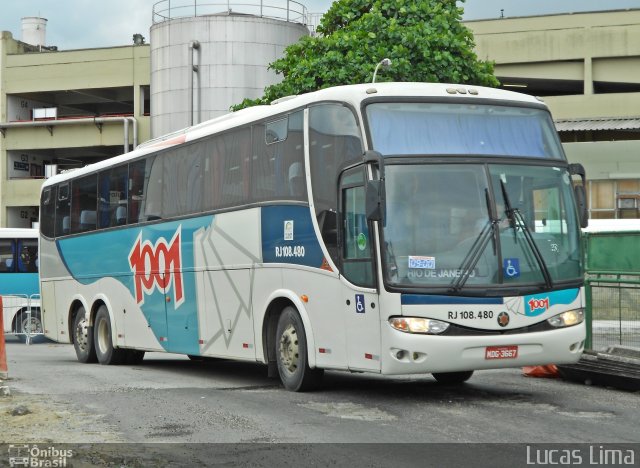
[360, 297]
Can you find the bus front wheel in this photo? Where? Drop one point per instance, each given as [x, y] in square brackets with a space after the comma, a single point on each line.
[452, 378]
[103, 342]
[83, 338]
[291, 354]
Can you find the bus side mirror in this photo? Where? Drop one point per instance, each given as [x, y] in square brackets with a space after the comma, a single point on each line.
[375, 200]
[580, 193]
[581, 201]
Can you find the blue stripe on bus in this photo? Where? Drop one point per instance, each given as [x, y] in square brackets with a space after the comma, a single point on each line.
[420, 299]
[93, 256]
[537, 304]
[100, 254]
[19, 283]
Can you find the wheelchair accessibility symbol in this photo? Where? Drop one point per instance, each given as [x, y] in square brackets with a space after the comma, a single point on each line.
[511, 267]
[360, 303]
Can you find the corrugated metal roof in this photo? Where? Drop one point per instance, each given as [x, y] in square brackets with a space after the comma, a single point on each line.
[581, 125]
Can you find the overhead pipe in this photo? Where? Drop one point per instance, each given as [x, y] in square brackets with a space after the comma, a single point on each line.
[134, 125]
[94, 120]
[194, 48]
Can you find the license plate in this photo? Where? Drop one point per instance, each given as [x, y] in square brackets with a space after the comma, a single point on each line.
[501, 352]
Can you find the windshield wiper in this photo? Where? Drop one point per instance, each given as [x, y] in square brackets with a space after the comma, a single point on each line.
[473, 256]
[517, 221]
[489, 231]
[477, 248]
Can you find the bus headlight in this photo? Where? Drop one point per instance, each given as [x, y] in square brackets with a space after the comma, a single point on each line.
[418, 325]
[567, 319]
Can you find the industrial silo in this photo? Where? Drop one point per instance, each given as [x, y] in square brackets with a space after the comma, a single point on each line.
[204, 60]
[34, 30]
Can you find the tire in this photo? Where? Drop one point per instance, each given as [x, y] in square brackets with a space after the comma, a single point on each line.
[103, 340]
[26, 326]
[452, 378]
[133, 357]
[291, 354]
[30, 326]
[83, 338]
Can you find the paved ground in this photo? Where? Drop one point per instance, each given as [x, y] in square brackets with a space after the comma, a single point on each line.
[170, 399]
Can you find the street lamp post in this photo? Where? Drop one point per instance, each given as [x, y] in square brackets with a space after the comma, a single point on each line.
[385, 62]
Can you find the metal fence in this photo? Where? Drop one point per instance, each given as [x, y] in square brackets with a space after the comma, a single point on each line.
[612, 289]
[614, 304]
[22, 317]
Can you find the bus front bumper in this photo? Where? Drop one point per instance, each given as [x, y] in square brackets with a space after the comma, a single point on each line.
[406, 353]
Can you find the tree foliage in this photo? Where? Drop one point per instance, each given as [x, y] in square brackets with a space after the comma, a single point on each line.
[424, 39]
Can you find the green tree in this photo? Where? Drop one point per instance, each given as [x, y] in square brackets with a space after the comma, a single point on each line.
[425, 40]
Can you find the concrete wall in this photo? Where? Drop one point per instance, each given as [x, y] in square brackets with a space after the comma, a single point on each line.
[587, 47]
[607, 159]
[77, 69]
[554, 38]
[24, 71]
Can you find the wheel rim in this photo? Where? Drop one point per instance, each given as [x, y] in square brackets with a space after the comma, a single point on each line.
[103, 335]
[32, 326]
[82, 335]
[289, 349]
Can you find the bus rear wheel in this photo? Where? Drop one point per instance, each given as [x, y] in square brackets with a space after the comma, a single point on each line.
[452, 378]
[83, 338]
[30, 324]
[291, 354]
[103, 340]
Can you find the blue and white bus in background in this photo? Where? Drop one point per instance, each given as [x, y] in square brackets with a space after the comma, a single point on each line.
[392, 228]
[19, 285]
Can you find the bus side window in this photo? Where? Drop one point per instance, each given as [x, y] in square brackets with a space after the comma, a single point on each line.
[278, 159]
[84, 204]
[27, 256]
[112, 195]
[48, 212]
[236, 160]
[334, 142]
[144, 204]
[6, 256]
[263, 186]
[182, 188]
[63, 210]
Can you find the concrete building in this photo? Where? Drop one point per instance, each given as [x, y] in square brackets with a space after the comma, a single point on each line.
[586, 67]
[62, 110]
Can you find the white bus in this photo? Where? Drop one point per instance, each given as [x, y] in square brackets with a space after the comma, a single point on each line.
[393, 228]
[19, 285]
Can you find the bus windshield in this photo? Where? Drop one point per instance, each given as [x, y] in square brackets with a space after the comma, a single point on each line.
[457, 226]
[462, 129]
